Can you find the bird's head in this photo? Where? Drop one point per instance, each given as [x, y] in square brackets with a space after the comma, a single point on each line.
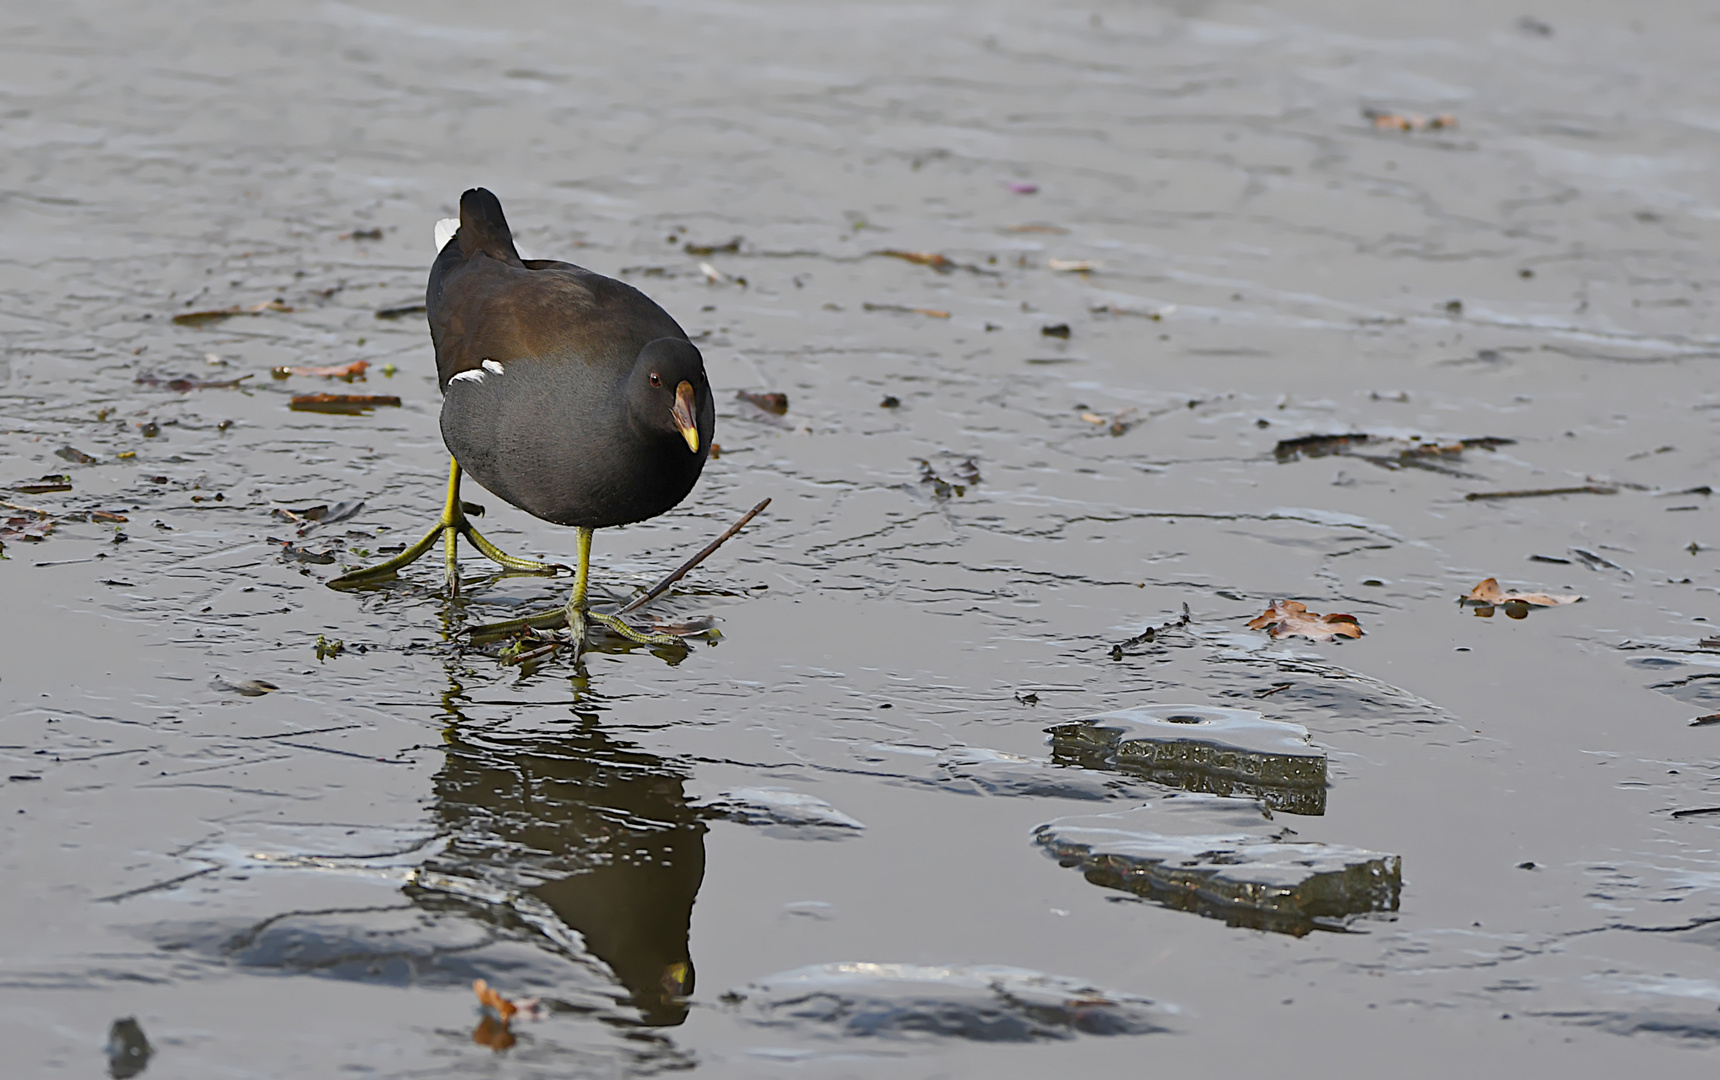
[669, 394]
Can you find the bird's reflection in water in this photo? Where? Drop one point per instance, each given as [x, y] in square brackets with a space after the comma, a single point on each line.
[594, 827]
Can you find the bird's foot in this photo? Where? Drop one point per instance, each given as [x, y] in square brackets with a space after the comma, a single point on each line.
[618, 626]
[503, 559]
[448, 532]
[383, 571]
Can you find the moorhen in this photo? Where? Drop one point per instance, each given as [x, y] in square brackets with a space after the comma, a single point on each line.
[571, 395]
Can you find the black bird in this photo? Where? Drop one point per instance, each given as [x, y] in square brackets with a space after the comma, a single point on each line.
[571, 395]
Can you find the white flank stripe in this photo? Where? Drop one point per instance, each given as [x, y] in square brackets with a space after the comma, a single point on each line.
[468, 376]
[492, 367]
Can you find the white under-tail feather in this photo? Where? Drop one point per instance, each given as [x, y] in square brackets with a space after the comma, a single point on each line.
[448, 226]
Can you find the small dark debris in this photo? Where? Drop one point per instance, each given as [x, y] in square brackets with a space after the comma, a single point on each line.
[1315, 446]
[363, 234]
[1550, 558]
[1596, 562]
[1696, 812]
[1585, 489]
[292, 552]
[321, 514]
[731, 248]
[1145, 637]
[75, 456]
[183, 383]
[1275, 688]
[1150, 634]
[891, 401]
[1454, 307]
[1526, 866]
[774, 403]
[1525, 273]
[1534, 27]
[941, 488]
[1027, 698]
[1702, 489]
[44, 485]
[247, 687]
[128, 1050]
[149, 428]
[1056, 330]
[19, 778]
[400, 311]
[1706, 721]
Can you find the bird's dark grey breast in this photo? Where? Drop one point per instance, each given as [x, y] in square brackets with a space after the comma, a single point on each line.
[555, 438]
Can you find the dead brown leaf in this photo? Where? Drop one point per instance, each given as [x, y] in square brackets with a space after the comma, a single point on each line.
[920, 258]
[774, 403]
[1286, 617]
[341, 404]
[1488, 595]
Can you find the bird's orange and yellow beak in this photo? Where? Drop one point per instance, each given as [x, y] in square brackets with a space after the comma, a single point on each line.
[685, 419]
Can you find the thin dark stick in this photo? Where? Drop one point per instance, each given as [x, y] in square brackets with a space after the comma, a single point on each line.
[663, 586]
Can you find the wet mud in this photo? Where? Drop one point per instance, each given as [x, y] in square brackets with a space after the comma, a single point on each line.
[1066, 340]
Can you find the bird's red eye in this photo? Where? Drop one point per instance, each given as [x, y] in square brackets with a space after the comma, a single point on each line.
[656, 379]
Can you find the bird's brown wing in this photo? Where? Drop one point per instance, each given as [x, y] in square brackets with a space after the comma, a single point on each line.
[486, 309]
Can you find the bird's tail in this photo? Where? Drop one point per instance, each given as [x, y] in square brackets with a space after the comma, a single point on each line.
[484, 228]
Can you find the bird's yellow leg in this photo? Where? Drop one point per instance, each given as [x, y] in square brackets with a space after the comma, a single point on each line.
[452, 525]
[578, 613]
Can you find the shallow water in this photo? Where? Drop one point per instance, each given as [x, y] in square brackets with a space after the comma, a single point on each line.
[813, 848]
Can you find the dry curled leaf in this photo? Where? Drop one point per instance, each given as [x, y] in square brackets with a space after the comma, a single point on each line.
[194, 318]
[1488, 595]
[499, 1012]
[1286, 617]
